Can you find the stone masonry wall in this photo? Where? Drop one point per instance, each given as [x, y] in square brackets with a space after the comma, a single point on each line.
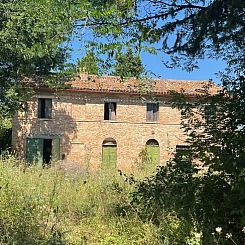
[78, 119]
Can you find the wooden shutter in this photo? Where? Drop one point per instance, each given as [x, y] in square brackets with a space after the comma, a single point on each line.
[105, 156]
[109, 157]
[106, 111]
[112, 108]
[48, 108]
[113, 156]
[155, 112]
[153, 154]
[149, 112]
[34, 150]
[55, 150]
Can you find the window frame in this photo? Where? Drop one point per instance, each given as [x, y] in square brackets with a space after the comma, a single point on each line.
[152, 112]
[44, 108]
[110, 111]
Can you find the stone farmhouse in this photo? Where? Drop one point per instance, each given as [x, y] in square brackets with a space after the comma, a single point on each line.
[103, 122]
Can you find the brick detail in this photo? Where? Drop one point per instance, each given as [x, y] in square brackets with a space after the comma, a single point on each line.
[78, 119]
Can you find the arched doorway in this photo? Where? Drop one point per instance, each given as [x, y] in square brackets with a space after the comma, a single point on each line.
[109, 153]
[153, 151]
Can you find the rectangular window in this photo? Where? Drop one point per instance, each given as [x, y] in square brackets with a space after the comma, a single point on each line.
[152, 112]
[110, 110]
[209, 113]
[44, 108]
[183, 152]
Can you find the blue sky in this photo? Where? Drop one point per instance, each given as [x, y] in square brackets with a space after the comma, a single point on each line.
[208, 69]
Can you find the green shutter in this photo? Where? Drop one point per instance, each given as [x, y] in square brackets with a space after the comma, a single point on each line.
[153, 153]
[55, 150]
[34, 150]
[109, 157]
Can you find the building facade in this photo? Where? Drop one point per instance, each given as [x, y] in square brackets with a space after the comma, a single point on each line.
[103, 122]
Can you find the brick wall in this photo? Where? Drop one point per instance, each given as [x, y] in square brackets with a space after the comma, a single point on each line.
[78, 119]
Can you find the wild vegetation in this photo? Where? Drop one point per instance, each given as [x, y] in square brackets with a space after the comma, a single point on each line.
[214, 124]
[53, 206]
[181, 203]
[50, 206]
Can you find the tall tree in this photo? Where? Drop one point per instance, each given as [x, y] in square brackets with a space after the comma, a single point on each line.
[35, 40]
[89, 64]
[31, 34]
[128, 64]
[188, 30]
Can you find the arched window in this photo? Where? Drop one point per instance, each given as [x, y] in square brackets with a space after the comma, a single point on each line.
[109, 153]
[153, 151]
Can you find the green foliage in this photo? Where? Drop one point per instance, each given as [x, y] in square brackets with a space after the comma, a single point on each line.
[35, 45]
[210, 194]
[31, 34]
[215, 131]
[187, 30]
[184, 201]
[48, 206]
[128, 64]
[183, 29]
[89, 64]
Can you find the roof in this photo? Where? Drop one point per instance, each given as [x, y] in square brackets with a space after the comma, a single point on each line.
[114, 84]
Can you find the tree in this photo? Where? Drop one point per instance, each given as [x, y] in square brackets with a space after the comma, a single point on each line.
[190, 27]
[31, 34]
[89, 64]
[188, 30]
[35, 45]
[128, 64]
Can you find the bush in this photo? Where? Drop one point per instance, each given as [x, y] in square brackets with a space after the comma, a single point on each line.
[185, 203]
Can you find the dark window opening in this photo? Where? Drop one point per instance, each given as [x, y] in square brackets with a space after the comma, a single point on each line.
[44, 108]
[152, 112]
[183, 152]
[152, 142]
[47, 151]
[209, 113]
[110, 110]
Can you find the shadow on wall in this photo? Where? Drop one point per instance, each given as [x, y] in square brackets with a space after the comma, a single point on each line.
[39, 121]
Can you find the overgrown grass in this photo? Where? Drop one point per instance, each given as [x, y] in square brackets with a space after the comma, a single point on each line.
[57, 206]
[48, 206]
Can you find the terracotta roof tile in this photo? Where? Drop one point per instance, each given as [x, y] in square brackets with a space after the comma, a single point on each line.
[132, 85]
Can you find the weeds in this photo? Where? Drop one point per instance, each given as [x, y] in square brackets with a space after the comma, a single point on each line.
[46, 206]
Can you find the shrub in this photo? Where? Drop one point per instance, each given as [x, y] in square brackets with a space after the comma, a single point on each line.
[184, 201]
